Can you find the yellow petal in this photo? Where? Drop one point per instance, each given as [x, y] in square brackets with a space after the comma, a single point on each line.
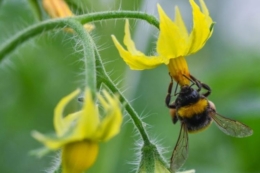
[204, 8]
[206, 13]
[70, 121]
[103, 102]
[172, 41]
[201, 27]
[59, 125]
[71, 118]
[110, 125]
[52, 143]
[137, 61]
[70, 133]
[89, 120]
[180, 23]
[130, 45]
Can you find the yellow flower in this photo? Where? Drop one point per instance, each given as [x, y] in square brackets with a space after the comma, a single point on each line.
[79, 133]
[174, 43]
[59, 9]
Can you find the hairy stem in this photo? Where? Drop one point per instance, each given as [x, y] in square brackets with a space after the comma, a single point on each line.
[103, 77]
[47, 25]
[88, 54]
[29, 33]
[85, 18]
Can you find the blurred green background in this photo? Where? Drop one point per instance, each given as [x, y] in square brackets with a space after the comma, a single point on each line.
[35, 76]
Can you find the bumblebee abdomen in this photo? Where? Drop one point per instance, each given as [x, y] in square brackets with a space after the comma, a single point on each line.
[195, 115]
[198, 122]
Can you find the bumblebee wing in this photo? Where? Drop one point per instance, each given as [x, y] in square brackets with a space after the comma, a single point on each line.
[180, 152]
[231, 127]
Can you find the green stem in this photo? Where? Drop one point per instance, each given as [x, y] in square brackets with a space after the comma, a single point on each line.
[89, 55]
[47, 25]
[103, 77]
[86, 18]
[29, 33]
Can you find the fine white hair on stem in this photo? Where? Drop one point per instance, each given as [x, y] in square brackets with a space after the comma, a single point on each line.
[138, 155]
[138, 152]
[55, 164]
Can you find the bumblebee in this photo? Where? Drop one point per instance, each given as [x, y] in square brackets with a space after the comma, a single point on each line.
[196, 112]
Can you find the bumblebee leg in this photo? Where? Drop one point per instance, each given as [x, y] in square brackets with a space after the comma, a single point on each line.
[170, 105]
[194, 81]
[201, 85]
[206, 87]
[168, 97]
[197, 82]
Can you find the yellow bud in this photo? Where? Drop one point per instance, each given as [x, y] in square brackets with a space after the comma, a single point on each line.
[60, 9]
[57, 8]
[78, 156]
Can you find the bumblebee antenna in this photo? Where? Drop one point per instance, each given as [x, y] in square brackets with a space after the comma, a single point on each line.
[199, 85]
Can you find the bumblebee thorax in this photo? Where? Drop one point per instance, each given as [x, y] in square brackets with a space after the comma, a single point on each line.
[187, 96]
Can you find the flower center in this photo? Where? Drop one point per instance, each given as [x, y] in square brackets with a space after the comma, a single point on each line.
[79, 156]
[179, 71]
